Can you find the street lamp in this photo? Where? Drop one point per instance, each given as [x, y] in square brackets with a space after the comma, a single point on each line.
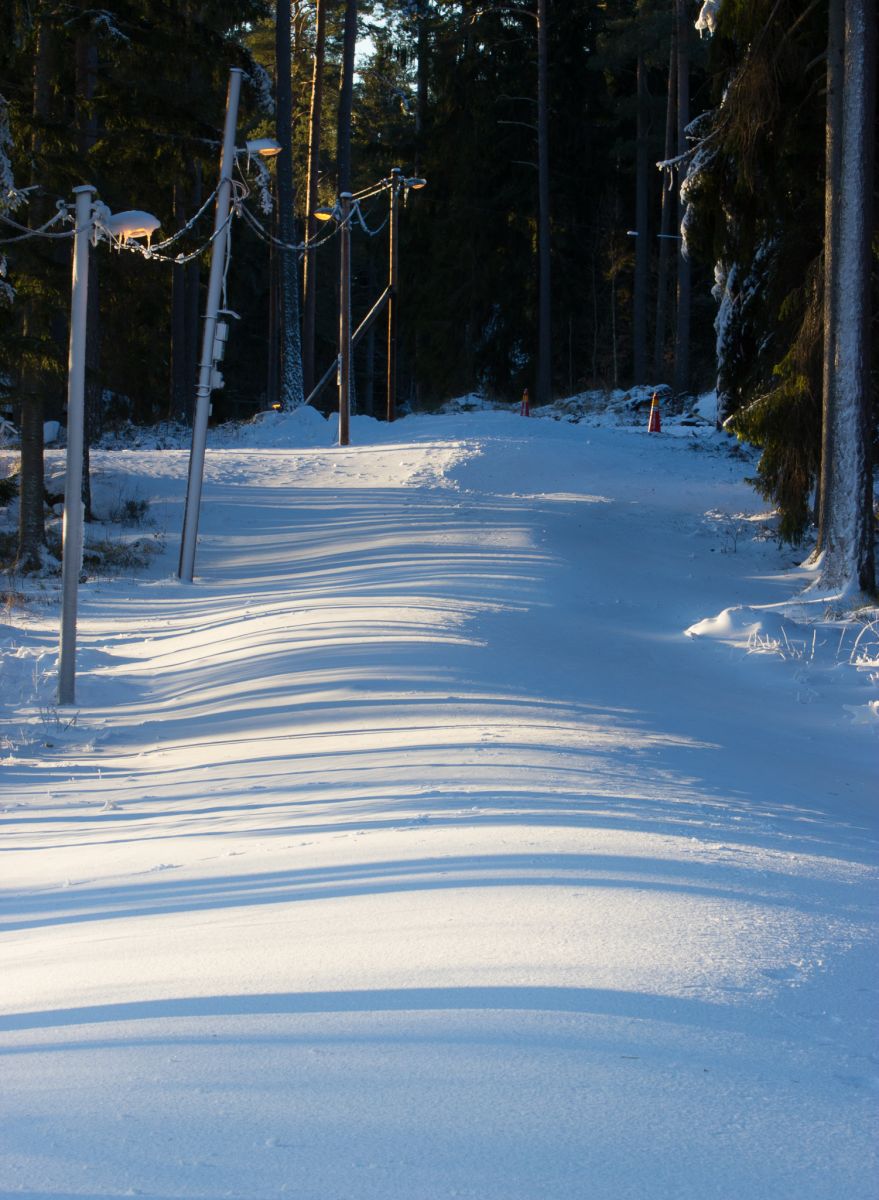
[399, 185]
[90, 219]
[262, 148]
[342, 212]
[214, 336]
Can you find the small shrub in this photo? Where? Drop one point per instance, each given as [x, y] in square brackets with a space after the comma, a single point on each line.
[131, 511]
[8, 489]
[110, 557]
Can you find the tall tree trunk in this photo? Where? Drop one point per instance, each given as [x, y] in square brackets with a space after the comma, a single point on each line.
[291, 390]
[642, 246]
[847, 564]
[272, 372]
[184, 307]
[309, 267]
[544, 308]
[682, 328]
[31, 523]
[87, 136]
[421, 81]
[832, 172]
[193, 304]
[346, 96]
[179, 376]
[665, 243]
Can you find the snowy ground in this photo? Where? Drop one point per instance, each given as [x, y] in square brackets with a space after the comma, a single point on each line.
[416, 851]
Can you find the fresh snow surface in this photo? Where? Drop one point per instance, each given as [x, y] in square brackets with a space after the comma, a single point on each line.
[488, 820]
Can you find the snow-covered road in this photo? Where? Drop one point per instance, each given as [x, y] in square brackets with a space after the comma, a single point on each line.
[416, 852]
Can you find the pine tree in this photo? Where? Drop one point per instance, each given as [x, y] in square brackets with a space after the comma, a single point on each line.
[755, 209]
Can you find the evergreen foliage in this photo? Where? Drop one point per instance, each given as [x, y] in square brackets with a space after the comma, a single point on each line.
[131, 99]
[756, 208]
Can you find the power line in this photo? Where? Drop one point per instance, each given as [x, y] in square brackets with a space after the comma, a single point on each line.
[28, 233]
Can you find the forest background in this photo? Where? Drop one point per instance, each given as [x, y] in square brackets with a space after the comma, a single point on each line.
[131, 100]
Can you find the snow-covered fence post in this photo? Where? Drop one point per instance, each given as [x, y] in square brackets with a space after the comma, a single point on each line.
[206, 367]
[71, 557]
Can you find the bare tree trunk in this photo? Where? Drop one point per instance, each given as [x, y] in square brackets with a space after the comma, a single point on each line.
[832, 171]
[86, 82]
[544, 307]
[179, 377]
[613, 329]
[309, 268]
[421, 81]
[272, 373]
[346, 96]
[847, 563]
[291, 391]
[193, 298]
[184, 308]
[31, 523]
[665, 244]
[642, 247]
[682, 329]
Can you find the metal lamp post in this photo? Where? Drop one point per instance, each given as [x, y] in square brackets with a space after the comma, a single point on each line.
[206, 366]
[214, 337]
[71, 538]
[122, 227]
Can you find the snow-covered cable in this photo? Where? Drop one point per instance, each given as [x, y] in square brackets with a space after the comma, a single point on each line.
[373, 190]
[181, 259]
[270, 239]
[41, 231]
[363, 225]
[175, 237]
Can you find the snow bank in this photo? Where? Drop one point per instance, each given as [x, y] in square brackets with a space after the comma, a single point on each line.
[303, 427]
[833, 661]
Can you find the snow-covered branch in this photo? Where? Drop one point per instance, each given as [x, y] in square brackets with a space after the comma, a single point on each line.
[706, 22]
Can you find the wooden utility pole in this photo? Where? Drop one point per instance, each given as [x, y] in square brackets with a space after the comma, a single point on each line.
[393, 281]
[345, 347]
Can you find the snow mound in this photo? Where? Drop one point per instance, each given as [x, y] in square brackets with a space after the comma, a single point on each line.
[706, 407]
[739, 626]
[304, 427]
[596, 407]
[833, 660]
[772, 631]
[864, 714]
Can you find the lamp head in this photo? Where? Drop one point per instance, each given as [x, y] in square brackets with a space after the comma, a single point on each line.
[263, 148]
[416, 184]
[324, 214]
[124, 226]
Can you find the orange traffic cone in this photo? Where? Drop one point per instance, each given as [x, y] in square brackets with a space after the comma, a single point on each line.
[654, 424]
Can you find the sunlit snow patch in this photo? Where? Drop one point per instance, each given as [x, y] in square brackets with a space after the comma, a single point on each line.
[737, 625]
